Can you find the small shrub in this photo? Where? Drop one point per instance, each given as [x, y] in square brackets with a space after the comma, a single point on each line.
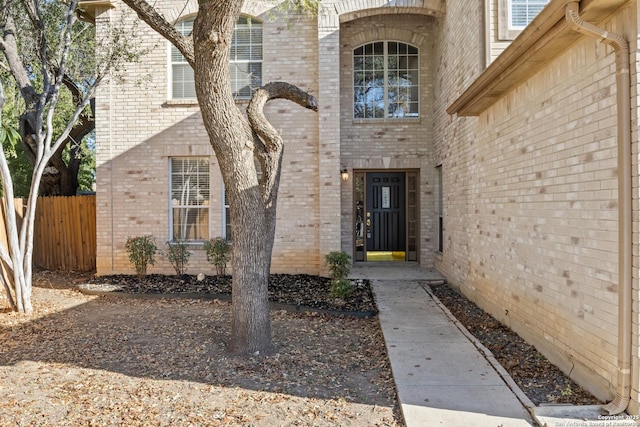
[341, 288]
[339, 263]
[178, 256]
[218, 254]
[141, 251]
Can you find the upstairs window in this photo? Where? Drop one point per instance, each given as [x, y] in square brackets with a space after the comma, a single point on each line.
[182, 82]
[521, 12]
[245, 63]
[515, 15]
[246, 58]
[385, 81]
[189, 181]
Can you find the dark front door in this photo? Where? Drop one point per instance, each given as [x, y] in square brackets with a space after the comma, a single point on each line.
[385, 212]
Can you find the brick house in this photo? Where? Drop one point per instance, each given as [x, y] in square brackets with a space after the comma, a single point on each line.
[469, 141]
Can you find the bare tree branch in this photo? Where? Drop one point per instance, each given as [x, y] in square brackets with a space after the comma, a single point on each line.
[268, 148]
[156, 21]
[275, 90]
[9, 47]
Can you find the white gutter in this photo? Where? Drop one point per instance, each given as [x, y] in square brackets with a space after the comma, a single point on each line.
[623, 82]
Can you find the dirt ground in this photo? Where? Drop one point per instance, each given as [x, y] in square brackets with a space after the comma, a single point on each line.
[107, 361]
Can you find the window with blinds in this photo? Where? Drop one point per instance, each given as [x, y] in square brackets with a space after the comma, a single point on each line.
[182, 81]
[189, 182]
[245, 63]
[521, 12]
[246, 58]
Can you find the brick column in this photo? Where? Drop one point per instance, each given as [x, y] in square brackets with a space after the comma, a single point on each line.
[329, 129]
[104, 161]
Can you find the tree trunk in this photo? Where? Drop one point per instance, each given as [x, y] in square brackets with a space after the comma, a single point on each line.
[250, 322]
[58, 179]
[232, 141]
[63, 181]
[236, 144]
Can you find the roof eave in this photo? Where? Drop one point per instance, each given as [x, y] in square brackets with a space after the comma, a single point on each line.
[86, 10]
[542, 40]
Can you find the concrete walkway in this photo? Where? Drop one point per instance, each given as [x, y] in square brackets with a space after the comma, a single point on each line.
[442, 378]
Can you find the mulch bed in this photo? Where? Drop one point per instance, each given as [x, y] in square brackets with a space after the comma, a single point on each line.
[299, 291]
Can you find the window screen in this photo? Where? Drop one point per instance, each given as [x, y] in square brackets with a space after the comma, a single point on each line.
[245, 63]
[521, 12]
[189, 199]
[183, 83]
[246, 58]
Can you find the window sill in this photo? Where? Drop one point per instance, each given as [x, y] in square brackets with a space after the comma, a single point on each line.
[193, 244]
[187, 102]
[389, 120]
[193, 102]
[508, 35]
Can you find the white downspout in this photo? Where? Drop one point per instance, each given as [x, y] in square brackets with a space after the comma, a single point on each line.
[623, 82]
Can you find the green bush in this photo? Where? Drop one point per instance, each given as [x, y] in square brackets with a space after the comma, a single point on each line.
[141, 251]
[339, 263]
[341, 288]
[178, 256]
[218, 254]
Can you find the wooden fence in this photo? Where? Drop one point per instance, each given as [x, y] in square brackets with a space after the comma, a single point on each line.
[64, 233]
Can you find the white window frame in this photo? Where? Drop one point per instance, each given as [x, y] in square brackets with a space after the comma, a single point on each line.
[171, 51]
[202, 200]
[506, 31]
[255, 48]
[386, 81]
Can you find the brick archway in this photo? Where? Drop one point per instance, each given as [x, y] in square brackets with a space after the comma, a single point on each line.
[354, 9]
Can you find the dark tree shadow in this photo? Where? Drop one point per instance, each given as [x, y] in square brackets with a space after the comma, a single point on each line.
[318, 356]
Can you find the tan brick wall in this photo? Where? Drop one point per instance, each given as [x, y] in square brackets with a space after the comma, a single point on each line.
[138, 130]
[328, 130]
[531, 201]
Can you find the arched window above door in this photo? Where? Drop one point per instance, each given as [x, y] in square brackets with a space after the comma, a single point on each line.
[386, 81]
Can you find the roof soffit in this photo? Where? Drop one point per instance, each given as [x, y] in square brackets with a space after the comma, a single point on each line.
[86, 10]
[543, 39]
